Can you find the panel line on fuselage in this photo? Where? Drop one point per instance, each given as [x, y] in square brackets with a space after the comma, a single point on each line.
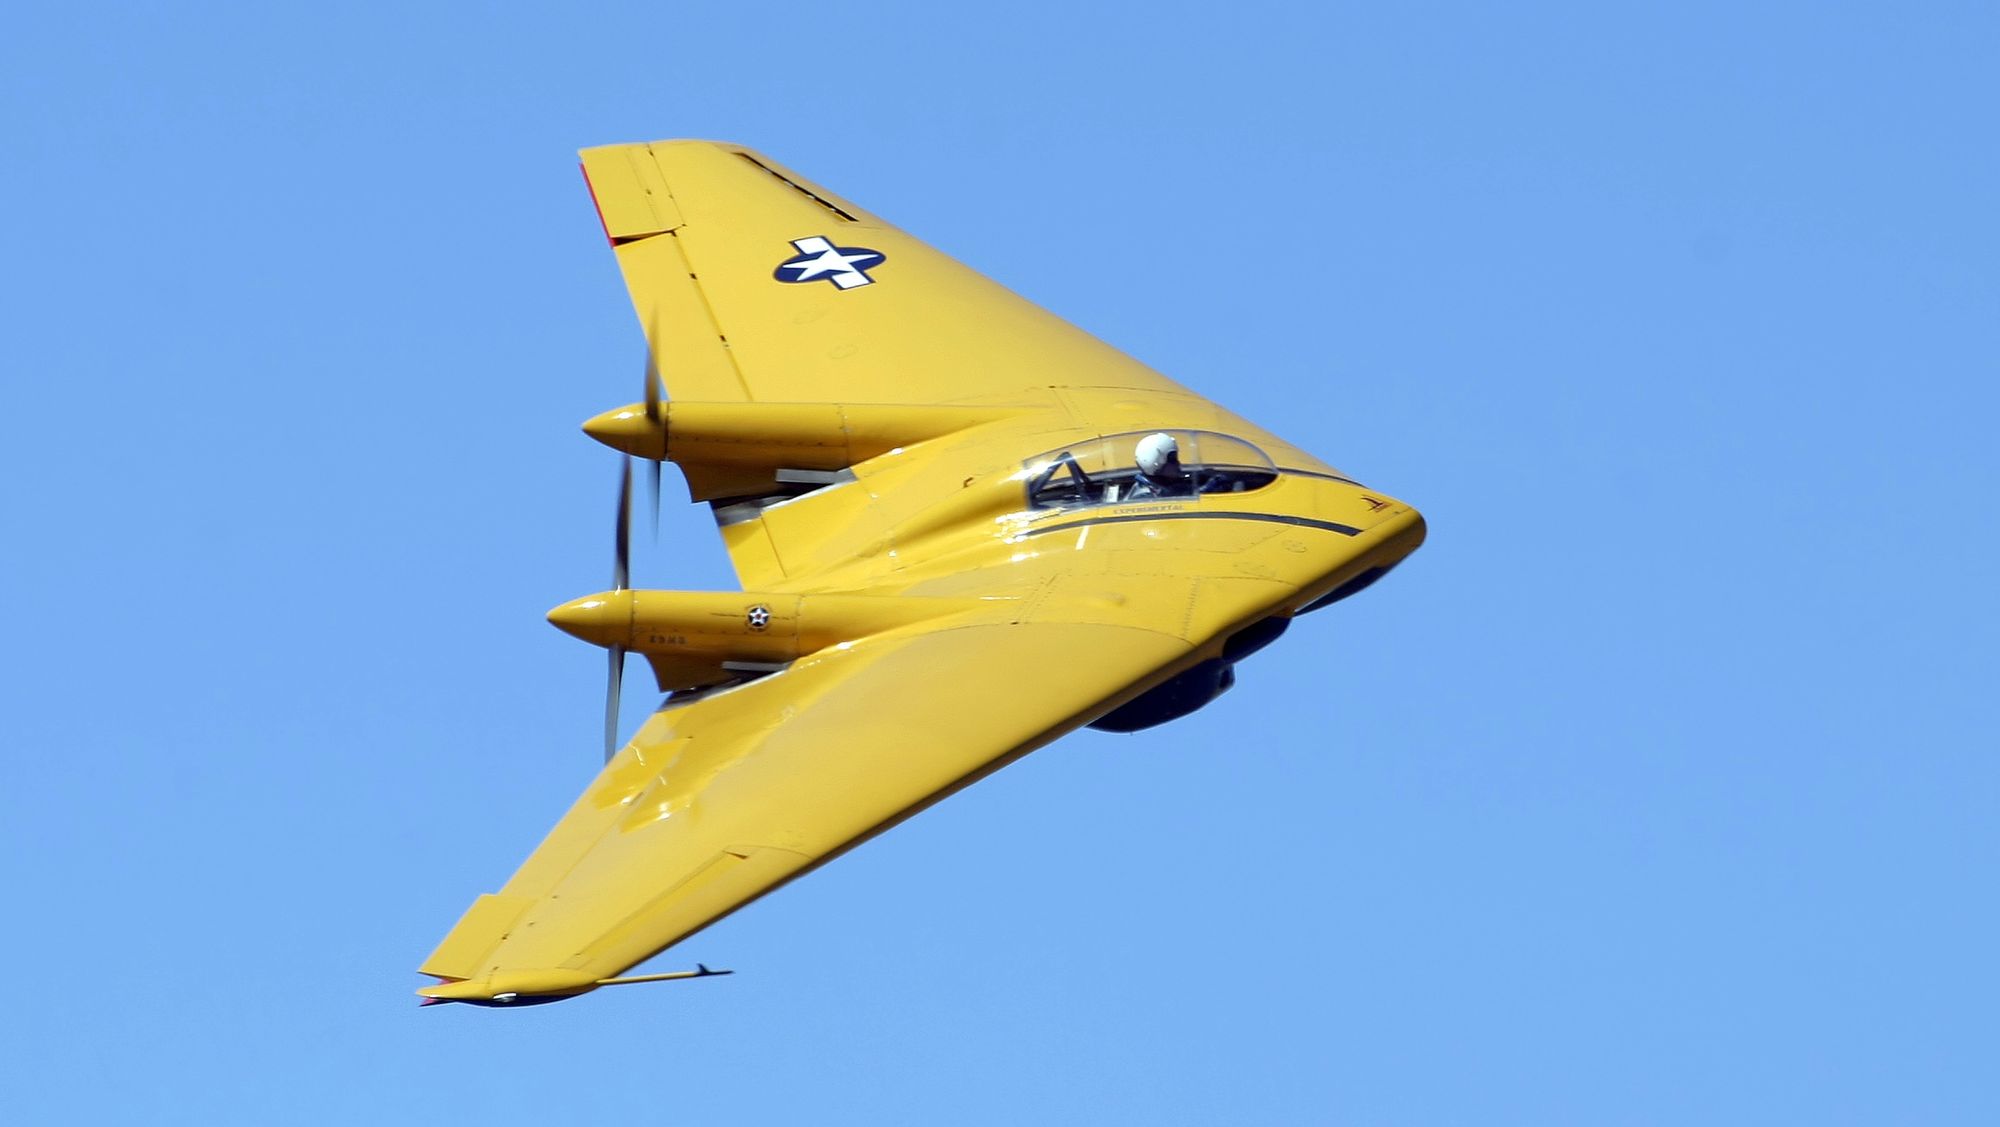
[1127, 518]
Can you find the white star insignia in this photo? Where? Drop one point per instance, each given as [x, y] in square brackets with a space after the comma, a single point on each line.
[840, 265]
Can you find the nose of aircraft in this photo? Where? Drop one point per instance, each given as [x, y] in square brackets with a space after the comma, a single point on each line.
[603, 619]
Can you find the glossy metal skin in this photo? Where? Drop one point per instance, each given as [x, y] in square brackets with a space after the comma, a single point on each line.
[912, 621]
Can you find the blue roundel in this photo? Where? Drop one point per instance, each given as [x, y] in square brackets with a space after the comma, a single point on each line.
[819, 260]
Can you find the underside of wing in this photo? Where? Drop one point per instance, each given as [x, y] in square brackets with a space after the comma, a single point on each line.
[757, 285]
[716, 802]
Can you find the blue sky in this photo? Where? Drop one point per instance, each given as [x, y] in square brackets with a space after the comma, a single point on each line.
[1658, 788]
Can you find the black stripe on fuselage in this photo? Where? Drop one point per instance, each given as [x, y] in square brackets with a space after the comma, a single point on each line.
[1322, 476]
[1269, 518]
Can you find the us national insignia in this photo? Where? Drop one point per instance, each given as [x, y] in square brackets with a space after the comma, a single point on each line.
[819, 260]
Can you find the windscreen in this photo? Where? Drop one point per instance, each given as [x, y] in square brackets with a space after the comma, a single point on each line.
[1145, 465]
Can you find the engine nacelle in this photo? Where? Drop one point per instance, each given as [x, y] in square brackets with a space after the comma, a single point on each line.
[1189, 691]
[1172, 700]
[733, 449]
[698, 638]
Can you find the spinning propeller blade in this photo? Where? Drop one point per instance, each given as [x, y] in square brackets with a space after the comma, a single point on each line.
[621, 564]
[621, 567]
[621, 576]
[611, 693]
[653, 414]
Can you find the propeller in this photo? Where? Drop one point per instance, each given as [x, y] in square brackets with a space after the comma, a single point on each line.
[653, 414]
[621, 576]
[621, 566]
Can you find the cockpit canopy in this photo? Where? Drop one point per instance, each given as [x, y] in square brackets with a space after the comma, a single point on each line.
[1180, 464]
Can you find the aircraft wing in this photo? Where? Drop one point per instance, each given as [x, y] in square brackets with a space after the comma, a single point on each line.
[758, 287]
[702, 230]
[719, 801]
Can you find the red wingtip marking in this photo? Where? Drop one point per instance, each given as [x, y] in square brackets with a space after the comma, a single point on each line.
[605, 227]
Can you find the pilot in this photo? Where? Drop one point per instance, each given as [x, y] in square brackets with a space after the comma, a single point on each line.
[1160, 471]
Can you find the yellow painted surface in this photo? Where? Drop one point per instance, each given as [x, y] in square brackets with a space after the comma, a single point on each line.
[631, 196]
[937, 623]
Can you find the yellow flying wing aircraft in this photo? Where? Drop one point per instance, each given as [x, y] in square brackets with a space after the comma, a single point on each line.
[963, 526]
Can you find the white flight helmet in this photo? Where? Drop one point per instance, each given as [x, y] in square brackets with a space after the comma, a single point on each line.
[1156, 451]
